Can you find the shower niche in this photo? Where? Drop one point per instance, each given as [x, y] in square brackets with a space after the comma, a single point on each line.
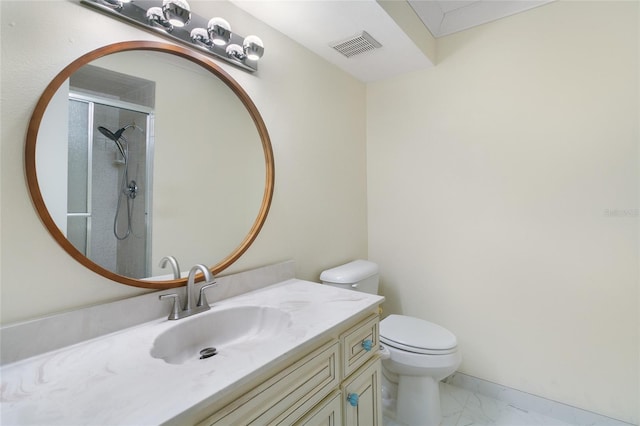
[109, 175]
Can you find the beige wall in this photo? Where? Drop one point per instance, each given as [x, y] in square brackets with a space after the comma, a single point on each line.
[315, 115]
[503, 197]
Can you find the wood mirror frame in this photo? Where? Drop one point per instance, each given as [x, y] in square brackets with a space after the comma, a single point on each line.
[201, 60]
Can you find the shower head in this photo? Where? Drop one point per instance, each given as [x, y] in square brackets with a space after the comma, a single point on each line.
[106, 132]
[115, 137]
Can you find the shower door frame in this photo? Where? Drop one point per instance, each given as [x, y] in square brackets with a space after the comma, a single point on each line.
[91, 100]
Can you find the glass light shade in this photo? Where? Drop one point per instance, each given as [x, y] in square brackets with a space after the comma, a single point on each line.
[219, 31]
[156, 16]
[200, 35]
[177, 12]
[235, 51]
[253, 47]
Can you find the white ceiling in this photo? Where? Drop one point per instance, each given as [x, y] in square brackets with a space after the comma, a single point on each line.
[317, 23]
[445, 17]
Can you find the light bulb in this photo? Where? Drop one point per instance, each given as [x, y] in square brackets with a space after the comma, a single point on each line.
[219, 31]
[253, 47]
[177, 12]
[235, 51]
[200, 35]
[156, 16]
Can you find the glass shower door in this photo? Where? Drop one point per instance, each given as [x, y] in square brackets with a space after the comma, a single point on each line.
[109, 185]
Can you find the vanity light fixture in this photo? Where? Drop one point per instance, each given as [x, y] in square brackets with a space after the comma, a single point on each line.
[156, 17]
[177, 12]
[200, 35]
[174, 20]
[219, 31]
[115, 4]
[253, 47]
[235, 51]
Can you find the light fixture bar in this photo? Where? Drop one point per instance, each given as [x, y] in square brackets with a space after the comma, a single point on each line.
[136, 13]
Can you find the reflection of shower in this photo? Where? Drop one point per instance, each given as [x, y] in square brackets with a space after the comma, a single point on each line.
[129, 188]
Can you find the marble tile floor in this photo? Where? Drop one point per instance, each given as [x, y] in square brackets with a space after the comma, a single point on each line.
[462, 407]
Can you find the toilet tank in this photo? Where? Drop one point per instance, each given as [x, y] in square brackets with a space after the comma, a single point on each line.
[359, 275]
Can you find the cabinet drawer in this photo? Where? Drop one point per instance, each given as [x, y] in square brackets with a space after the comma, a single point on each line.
[288, 395]
[359, 344]
[327, 413]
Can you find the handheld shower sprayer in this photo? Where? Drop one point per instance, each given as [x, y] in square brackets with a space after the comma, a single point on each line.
[129, 189]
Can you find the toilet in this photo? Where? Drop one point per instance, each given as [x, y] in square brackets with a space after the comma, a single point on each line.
[419, 354]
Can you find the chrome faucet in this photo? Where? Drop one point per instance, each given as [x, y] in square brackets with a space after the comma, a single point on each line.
[174, 265]
[202, 305]
[191, 282]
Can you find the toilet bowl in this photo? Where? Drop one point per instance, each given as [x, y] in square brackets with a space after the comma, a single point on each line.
[421, 354]
[418, 353]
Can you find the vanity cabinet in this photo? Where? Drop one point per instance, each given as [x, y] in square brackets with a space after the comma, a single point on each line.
[362, 401]
[327, 413]
[304, 349]
[288, 395]
[337, 384]
[359, 344]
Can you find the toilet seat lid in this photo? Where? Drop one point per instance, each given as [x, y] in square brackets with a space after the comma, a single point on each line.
[416, 335]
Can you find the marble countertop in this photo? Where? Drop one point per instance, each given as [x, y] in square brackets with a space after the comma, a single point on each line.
[114, 380]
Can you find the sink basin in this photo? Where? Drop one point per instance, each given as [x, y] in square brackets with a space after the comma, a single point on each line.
[219, 329]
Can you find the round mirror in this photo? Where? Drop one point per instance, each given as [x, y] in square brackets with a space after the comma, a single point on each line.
[141, 150]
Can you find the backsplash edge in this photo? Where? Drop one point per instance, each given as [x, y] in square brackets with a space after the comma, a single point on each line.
[33, 337]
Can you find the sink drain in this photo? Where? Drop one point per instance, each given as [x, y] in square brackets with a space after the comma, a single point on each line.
[208, 353]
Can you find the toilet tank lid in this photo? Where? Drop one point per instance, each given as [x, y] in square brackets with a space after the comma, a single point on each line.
[349, 273]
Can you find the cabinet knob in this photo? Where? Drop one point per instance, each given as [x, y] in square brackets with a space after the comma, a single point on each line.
[367, 345]
[353, 399]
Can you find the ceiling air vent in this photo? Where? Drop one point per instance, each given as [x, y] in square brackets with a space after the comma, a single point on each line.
[359, 43]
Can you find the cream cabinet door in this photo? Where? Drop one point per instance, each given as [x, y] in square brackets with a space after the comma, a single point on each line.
[362, 403]
[327, 413]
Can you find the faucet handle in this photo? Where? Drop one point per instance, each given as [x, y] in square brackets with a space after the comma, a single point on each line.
[202, 300]
[175, 310]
